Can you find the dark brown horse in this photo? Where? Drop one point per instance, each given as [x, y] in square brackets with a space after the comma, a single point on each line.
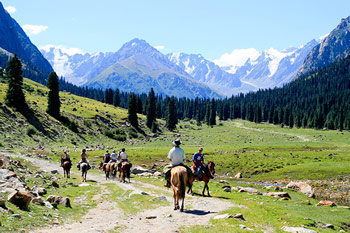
[66, 168]
[178, 180]
[124, 171]
[111, 170]
[207, 174]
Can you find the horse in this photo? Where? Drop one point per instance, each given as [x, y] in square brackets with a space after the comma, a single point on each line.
[66, 168]
[84, 168]
[124, 171]
[111, 169]
[209, 171]
[178, 180]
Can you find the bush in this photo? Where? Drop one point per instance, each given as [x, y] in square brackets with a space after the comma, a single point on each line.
[120, 138]
[31, 131]
[108, 133]
[132, 133]
[87, 123]
[70, 124]
[119, 132]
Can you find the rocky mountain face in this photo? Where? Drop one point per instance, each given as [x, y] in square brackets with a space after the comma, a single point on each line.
[209, 73]
[146, 67]
[14, 40]
[135, 67]
[332, 48]
[271, 68]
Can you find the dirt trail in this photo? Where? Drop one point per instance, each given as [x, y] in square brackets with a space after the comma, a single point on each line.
[107, 216]
[301, 137]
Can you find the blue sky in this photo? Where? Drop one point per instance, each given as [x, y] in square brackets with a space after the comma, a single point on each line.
[207, 27]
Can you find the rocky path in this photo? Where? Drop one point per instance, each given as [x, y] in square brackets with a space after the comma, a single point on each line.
[106, 216]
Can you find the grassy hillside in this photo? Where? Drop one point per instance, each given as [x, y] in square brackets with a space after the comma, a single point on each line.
[96, 123]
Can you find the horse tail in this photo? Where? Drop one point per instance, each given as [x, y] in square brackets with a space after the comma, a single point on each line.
[182, 190]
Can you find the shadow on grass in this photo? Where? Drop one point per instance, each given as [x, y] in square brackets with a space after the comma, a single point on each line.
[198, 212]
[32, 119]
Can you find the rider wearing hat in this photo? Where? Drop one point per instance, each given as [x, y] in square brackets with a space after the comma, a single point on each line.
[176, 156]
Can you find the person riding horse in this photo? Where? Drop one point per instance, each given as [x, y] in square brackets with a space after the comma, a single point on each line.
[198, 160]
[84, 158]
[176, 156]
[123, 157]
[66, 157]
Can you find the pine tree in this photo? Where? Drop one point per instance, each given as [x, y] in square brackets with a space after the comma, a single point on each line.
[116, 98]
[132, 110]
[171, 118]
[212, 118]
[151, 109]
[198, 117]
[207, 114]
[53, 100]
[14, 95]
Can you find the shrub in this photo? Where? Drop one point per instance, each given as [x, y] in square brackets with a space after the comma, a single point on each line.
[119, 132]
[132, 133]
[108, 133]
[31, 131]
[70, 124]
[120, 138]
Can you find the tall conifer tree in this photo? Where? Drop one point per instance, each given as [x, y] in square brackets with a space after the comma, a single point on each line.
[132, 110]
[14, 95]
[171, 118]
[53, 100]
[151, 109]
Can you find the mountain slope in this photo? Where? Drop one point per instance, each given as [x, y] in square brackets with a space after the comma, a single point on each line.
[209, 73]
[14, 40]
[332, 48]
[270, 68]
[141, 67]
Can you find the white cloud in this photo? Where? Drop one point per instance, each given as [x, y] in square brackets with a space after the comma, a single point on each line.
[237, 57]
[10, 9]
[34, 29]
[159, 47]
[64, 49]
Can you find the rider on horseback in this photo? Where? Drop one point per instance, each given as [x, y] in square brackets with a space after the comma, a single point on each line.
[176, 156]
[198, 160]
[106, 157]
[66, 157]
[84, 158]
[123, 157]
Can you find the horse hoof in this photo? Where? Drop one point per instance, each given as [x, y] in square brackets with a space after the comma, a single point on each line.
[181, 210]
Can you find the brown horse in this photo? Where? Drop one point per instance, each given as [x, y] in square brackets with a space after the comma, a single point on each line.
[178, 180]
[124, 171]
[111, 169]
[66, 168]
[209, 171]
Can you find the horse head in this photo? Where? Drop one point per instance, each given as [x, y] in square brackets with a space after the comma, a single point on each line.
[211, 166]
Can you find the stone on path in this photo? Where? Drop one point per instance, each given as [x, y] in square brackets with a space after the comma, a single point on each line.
[302, 187]
[249, 190]
[58, 200]
[297, 230]
[326, 203]
[20, 199]
[277, 194]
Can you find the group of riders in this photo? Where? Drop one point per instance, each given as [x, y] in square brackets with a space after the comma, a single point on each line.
[122, 156]
[176, 157]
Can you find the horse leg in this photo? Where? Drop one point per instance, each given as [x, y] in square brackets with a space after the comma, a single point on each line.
[182, 205]
[208, 190]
